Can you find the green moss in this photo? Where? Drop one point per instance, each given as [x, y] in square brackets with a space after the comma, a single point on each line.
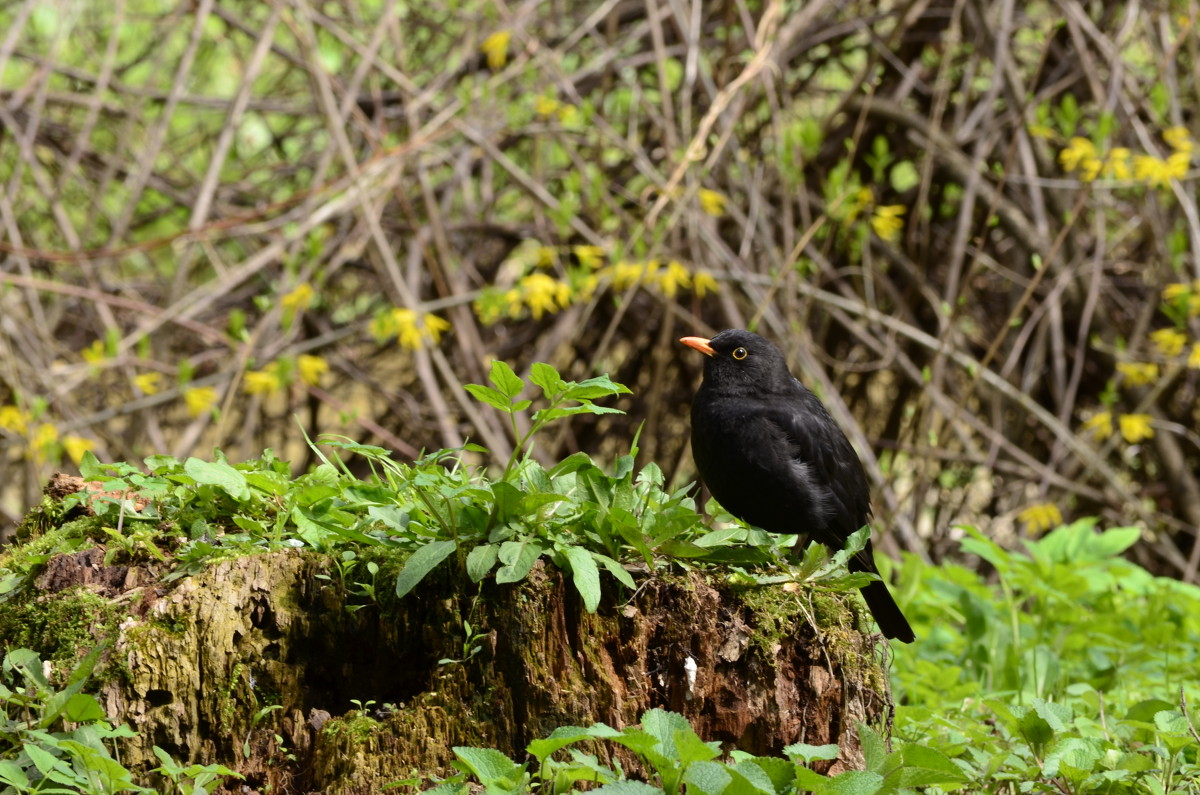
[358, 728]
[42, 543]
[777, 612]
[61, 627]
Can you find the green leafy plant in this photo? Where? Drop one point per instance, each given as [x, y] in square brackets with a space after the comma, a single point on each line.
[676, 759]
[56, 740]
[1074, 670]
[558, 394]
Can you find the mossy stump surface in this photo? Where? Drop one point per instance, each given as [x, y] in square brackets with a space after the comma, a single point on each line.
[256, 663]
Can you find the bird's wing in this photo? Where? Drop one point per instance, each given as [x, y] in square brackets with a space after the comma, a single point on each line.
[824, 458]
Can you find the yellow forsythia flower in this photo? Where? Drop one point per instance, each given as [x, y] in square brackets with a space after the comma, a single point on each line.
[627, 274]
[544, 105]
[1041, 517]
[703, 283]
[76, 446]
[94, 353]
[299, 298]
[589, 256]
[311, 368]
[1138, 373]
[411, 330]
[673, 277]
[1177, 165]
[13, 418]
[887, 221]
[543, 293]
[1100, 424]
[42, 440]
[1169, 341]
[1156, 172]
[1136, 427]
[513, 299]
[1090, 168]
[434, 326]
[1116, 165]
[1186, 293]
[495, 47]
[1076, 151]
[148, 383]
[1179, 139]
[200, 399]
[262, 382]
[1194, 357]
[712, 202]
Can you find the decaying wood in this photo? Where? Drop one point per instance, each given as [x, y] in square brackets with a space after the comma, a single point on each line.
[197, 659]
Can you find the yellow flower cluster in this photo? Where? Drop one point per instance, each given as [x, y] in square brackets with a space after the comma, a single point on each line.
[1184, 295]
[200, 399]
[1081, 155]
[712, 202]
[42, 437]
[1134, 427]
[886, 220]
[548, 106]
[495, 48]
[282, 373]
[1040, 517]
[413, 331]
[1182, 301]
[667, 279]
[1138, 373]
[541, 294]
[298, 299]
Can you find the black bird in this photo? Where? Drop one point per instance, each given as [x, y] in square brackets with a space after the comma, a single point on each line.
[773, 456]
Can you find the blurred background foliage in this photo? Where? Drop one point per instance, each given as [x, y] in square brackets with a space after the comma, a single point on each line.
[972, 226]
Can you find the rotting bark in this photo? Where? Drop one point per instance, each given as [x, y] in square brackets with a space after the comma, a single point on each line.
[195, 660]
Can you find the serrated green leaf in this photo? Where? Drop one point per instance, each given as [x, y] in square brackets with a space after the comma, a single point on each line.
[812, 753]
[594, 388]
[492, 397]
[853, 782]
[557, 739]
[873, 746]
[504, 379]
[491, 767]
[708, 778]
[627, 787]
[547, 378]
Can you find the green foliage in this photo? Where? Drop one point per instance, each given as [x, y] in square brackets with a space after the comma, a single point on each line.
[676, 759]
[1072, 673]
[1074, 670]
[56, 740]
[577, 515]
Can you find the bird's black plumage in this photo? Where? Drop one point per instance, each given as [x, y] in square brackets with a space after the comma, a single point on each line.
[773, 456]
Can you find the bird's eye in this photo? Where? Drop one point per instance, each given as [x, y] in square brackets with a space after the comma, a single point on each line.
[740, 353]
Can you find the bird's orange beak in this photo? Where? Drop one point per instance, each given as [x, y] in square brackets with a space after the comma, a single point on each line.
[700, 344]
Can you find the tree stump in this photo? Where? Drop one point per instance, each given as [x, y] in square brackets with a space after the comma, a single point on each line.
[262, 663]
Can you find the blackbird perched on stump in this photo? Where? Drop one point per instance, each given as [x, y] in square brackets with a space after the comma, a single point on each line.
[772, 455]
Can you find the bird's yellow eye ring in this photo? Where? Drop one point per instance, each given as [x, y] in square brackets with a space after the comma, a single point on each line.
[740, 353]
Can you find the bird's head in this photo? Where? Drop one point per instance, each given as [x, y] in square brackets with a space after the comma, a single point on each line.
[742, 361]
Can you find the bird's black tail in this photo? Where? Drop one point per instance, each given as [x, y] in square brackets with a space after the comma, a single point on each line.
[887, 613]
